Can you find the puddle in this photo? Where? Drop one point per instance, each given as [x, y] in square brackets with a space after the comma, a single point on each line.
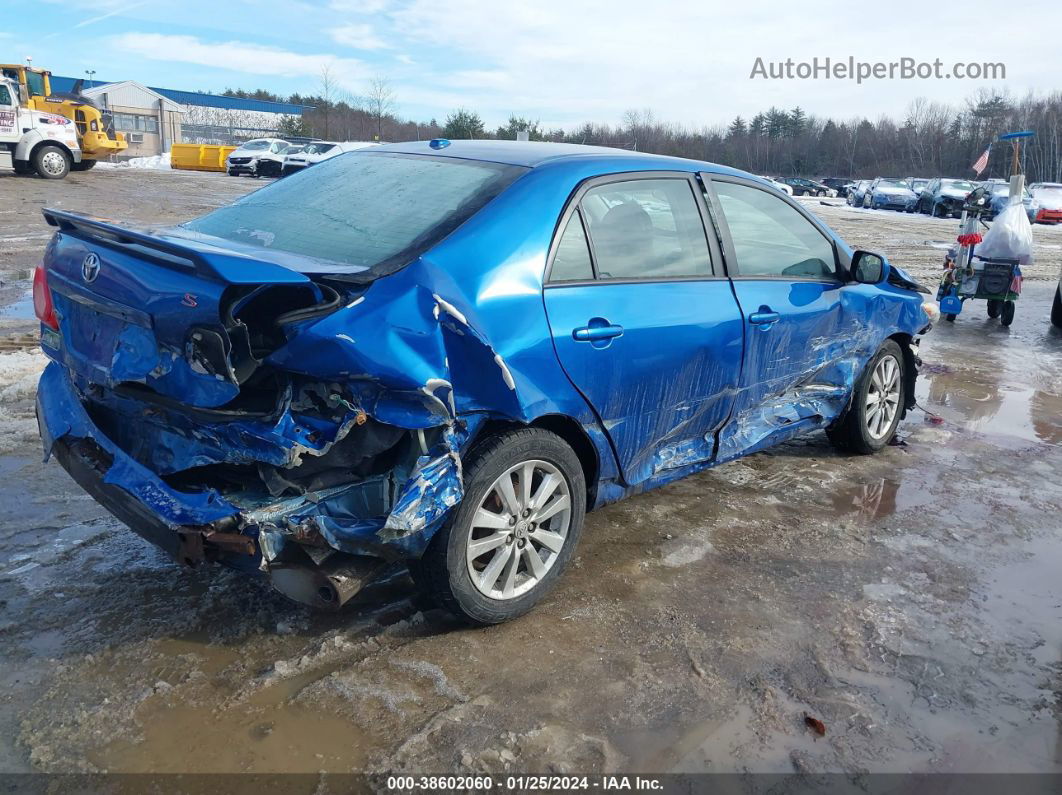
[278, 738]
[976, 402]
[20, 309]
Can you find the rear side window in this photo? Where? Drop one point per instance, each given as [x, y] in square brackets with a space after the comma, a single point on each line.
[646, 229]
[366, 210]
[572, 260]
[771, 238]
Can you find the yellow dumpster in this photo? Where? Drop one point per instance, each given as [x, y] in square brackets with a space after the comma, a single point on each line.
[199, 157]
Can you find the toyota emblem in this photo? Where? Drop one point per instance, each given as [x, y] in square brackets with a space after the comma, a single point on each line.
[90, 268]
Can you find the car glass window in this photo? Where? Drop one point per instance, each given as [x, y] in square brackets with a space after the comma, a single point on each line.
[770, 237]
[646, 229]
[572, 260]
[254, 146]
[5, 96]
[366, 210]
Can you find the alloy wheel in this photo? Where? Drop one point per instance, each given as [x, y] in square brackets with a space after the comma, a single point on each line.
[883, 397]
[519, 529]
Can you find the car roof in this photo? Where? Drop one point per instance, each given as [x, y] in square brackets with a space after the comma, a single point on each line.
[532, 154]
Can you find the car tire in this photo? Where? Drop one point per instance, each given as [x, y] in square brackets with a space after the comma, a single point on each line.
[446, 570]
[995, 306]
[84, 165]
[1006, 314]
[51, 162]
[232, 173]
[950, 317]
[870, 421]
[1056, 308]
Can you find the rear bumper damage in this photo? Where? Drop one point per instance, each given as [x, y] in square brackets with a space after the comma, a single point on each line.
[319, 547]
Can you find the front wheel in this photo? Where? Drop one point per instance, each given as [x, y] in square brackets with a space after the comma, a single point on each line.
[995, 306]
[513, 533]
[51, 162]
[1056, 308]
[1006, 314]
[870, 421]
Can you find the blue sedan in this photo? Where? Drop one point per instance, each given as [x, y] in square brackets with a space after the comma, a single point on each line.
[442, 355]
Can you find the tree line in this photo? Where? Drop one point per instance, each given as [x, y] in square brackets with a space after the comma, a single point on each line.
[929, 139]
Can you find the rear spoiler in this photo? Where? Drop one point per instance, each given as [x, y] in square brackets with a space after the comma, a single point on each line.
[196, 257]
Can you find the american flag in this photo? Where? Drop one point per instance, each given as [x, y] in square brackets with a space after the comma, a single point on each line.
[982, 163]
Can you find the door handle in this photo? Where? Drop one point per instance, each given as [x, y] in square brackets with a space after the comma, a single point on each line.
[764, 318]
[593, 333]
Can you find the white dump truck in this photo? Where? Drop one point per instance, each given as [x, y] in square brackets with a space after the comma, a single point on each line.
[32, 141]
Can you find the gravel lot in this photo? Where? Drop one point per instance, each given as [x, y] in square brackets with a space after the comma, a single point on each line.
[910, 600]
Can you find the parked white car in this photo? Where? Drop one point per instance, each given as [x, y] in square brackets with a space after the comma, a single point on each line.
[788, 191]
[317, 151]
[252, 156]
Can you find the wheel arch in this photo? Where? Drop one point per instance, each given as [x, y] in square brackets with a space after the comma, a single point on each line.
[910, 368]
[567, 429]
[50, 142]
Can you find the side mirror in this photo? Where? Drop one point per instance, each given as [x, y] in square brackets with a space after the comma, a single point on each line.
[869, 268]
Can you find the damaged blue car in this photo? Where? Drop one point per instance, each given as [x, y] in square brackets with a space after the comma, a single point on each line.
[444, 354]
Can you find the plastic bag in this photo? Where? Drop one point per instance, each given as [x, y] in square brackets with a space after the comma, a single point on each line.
[1010, 237]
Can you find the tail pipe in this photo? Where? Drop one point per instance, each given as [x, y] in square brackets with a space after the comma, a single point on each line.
[327, 585]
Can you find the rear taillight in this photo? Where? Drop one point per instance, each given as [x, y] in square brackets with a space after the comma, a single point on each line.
[42, 300]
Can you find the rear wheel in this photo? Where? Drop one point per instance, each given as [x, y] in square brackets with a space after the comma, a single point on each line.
[1056, 308]
[877, 403]
[51, 162]
[84, 165]
[950, 317]
[514, 531]
[1006, 315]
[995, 306]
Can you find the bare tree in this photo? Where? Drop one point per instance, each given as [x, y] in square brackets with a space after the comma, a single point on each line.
[380, 102]
[329, 89]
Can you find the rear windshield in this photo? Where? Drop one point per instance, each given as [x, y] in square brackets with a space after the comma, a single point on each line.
[361, 210]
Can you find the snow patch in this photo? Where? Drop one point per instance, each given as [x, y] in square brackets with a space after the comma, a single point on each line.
[19, 373]
[155, 163]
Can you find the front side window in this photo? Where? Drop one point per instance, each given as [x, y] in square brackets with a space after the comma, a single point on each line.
[772, 238]
[364, 211]
[5, 96]
[646, 229]
[35, 84]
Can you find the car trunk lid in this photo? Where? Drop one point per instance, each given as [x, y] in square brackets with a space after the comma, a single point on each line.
[179, 317]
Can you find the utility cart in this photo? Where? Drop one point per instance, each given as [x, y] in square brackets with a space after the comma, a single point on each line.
[997, 281]
[969, 276]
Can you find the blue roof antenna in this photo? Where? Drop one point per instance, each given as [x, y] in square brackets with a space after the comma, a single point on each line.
[439, 143]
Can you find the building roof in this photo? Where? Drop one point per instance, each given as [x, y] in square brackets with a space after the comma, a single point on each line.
[62, 84]
[129, 92]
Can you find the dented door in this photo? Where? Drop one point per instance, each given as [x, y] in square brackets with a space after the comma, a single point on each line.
[799, 341]
[642, 325]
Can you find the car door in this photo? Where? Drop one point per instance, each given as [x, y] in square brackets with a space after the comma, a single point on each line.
[785, 273]
[8, 117]
[644, 322]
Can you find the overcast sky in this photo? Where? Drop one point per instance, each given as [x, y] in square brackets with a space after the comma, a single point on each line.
[560, 61]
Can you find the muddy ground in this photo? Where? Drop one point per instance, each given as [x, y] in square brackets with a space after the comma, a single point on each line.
[910, 600]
